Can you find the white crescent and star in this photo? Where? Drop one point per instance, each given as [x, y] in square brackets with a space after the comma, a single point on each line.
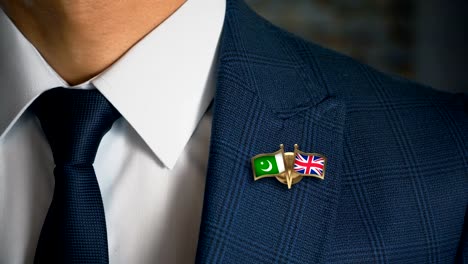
[270, 166]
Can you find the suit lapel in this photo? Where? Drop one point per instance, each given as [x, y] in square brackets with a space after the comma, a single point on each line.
[266, 96]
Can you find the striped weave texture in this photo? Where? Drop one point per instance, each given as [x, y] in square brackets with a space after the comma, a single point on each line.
[74, 122]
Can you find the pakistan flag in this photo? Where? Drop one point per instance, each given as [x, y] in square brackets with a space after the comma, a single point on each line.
[269, 164]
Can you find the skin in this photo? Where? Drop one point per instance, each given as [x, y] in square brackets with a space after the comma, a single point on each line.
[81, 38]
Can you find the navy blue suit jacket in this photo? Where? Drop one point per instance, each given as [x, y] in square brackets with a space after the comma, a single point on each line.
[396, 184]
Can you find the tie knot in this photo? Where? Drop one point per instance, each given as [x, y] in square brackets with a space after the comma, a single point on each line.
[74, 122]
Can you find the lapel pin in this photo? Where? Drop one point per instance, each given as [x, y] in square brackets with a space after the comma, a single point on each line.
[289, 167]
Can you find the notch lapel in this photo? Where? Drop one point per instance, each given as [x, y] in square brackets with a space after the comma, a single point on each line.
[266, 96]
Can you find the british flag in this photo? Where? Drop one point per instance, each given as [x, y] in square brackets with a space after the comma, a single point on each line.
[309, 164]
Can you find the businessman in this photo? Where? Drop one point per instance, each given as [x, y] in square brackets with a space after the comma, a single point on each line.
[127, 130]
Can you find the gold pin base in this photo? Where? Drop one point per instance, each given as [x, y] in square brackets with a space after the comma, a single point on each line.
[289, 177]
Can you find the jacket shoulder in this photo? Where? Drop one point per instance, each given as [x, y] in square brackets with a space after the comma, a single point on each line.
[288, 71]
[356, 82]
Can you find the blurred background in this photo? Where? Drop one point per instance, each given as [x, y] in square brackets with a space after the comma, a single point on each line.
[423, 40]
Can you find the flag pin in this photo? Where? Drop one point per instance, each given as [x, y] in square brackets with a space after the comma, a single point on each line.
[289, 167]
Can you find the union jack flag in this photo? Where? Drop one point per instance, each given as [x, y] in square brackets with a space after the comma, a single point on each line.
[309, 164]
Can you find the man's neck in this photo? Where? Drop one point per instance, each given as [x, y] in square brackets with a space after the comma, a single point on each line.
[80, 39]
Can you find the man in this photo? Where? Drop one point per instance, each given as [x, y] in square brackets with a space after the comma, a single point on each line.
[396, 176]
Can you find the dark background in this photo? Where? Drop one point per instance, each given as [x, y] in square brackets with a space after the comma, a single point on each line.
[423, 40]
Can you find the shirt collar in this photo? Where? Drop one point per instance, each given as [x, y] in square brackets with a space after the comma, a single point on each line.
[162, 86]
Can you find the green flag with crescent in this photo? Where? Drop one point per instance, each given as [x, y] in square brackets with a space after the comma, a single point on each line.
[268, 164]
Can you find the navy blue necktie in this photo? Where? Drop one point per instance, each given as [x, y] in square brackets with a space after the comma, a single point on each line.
[74, 122]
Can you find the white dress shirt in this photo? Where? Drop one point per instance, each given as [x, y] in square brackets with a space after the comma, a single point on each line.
[150, 166]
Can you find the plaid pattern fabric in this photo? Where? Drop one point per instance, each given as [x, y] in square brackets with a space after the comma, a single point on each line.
[395, 189]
